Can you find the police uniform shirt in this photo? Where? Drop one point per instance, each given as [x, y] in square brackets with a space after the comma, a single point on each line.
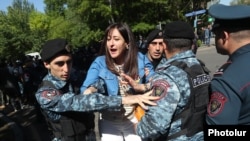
[54, 101]
[230, 91]
[172, 85]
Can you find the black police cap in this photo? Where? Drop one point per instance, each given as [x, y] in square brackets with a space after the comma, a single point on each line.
[178, 29]
[236, 16]
[155, 34]
[53, 48]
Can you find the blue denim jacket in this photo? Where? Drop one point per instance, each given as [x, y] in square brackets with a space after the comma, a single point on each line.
[99, 70]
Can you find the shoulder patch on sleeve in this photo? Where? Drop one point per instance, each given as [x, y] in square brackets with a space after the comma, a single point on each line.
[216, 104]
[160, 88]
[49, 94]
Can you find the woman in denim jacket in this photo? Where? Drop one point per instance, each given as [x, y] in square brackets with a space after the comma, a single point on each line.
[119, 55]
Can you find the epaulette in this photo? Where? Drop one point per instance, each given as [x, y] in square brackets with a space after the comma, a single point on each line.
[163, 68]
[221, 70]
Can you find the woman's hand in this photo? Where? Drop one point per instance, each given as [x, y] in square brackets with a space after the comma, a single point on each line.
[146, 70]
[137, 87]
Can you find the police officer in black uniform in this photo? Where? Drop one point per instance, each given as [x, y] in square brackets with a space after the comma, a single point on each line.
[155, 47]
[62, 107]
[230, 98]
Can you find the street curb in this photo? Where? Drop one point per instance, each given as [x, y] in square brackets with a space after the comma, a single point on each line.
[205, 47]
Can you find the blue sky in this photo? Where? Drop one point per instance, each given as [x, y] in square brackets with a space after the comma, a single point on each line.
[40, 6]
[37, 3]
[226, 2]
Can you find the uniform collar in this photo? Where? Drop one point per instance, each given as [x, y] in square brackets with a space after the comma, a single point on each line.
[178, 56]
[242, 50]
[57, 82]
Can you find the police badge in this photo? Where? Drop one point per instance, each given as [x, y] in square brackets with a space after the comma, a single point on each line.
[160, 88]
[216, 104]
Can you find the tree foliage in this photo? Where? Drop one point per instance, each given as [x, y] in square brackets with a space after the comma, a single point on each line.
[83, 22]
[237, 2]
[16, 36]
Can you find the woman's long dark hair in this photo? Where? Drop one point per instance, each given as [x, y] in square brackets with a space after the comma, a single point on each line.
[130, 66]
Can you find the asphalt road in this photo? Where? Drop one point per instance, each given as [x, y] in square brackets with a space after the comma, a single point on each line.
[212, 59]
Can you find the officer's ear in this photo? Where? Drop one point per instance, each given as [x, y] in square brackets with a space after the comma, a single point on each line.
[224, 36]
[46, 65]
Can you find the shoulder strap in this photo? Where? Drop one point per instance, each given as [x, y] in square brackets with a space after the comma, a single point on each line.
[179, 64]
[205, 69]
[64, 89]
[221, 70]
[183, 65]
[47, 83]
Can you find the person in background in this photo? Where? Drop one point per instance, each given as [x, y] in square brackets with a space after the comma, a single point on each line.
[180, 111]
[120, 55]
[141, 44]
[66, 111]
[203, 35]
[10, 90]
[194, 47]
[229, 90]
[154, 51]
[154, 47]
[207, 34]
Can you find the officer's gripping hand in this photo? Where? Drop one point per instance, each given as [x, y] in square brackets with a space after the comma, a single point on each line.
[142, 99]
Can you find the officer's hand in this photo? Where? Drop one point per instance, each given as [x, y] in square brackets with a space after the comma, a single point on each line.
[141, 99]
[90, 90]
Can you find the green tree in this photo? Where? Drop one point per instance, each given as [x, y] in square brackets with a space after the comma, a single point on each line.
[55, 7]
[238, 2]
[141, 15]
[39, 26]
[16, 38]
[83, 22]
